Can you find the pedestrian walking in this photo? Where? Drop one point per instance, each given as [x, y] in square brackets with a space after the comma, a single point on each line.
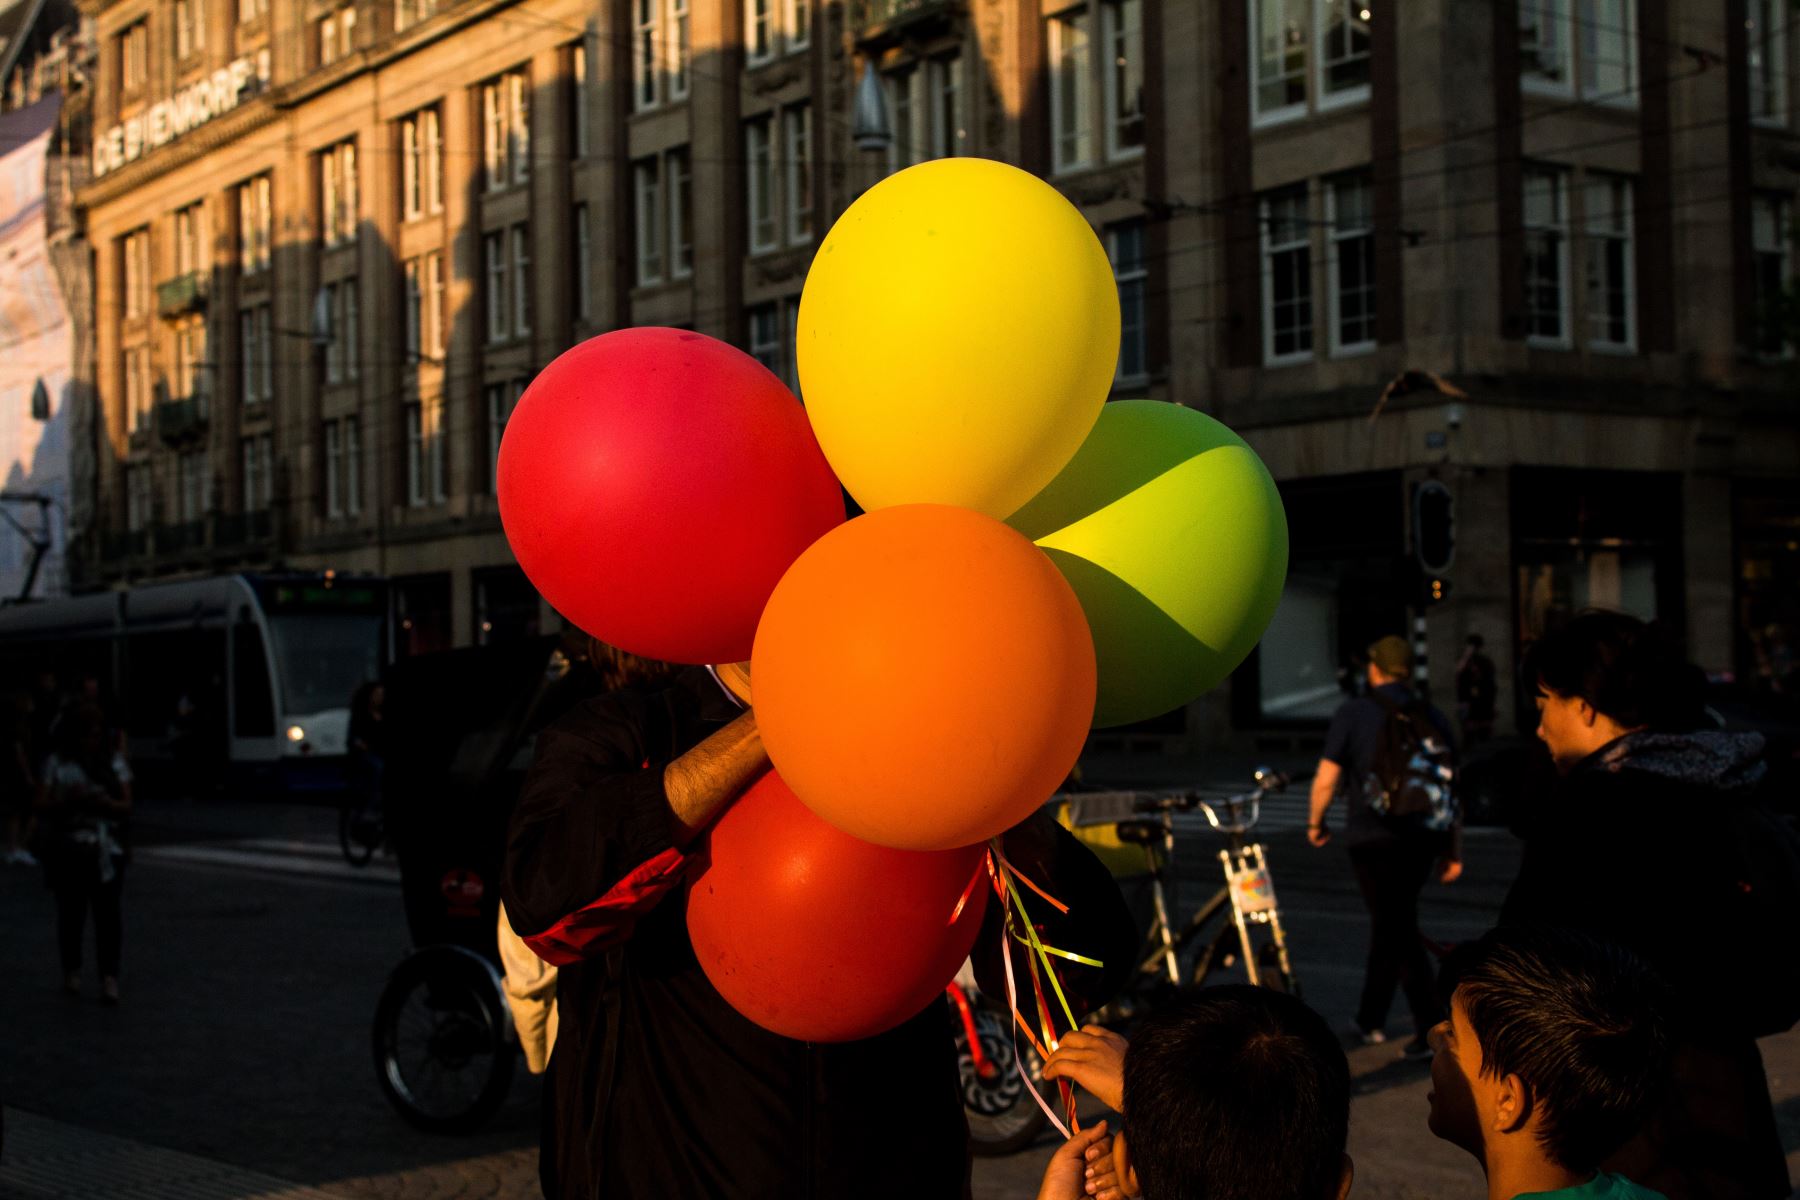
[1476, 691]
[656, 1086]
[1389, 754]
[1643, 841]
[84, 800]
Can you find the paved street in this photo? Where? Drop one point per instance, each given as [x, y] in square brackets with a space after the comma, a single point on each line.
[239, 1064]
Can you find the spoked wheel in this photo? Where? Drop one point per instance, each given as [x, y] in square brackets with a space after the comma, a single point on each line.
[442, 1040]
[1003, 1118]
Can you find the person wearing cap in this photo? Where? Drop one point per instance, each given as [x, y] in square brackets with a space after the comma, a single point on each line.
[1392, 858]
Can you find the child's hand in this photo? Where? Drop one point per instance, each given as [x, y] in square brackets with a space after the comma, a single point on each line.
[1103, 1182]
[1066, 1176]
[1094, 1057]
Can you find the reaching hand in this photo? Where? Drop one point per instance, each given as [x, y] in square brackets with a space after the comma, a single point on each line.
[1450, 870]
[1093, 1057]
[1318, 835]
[1103, 1182]
[1066, 1176]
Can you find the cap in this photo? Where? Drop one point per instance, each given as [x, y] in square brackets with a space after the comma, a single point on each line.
[1392, 655]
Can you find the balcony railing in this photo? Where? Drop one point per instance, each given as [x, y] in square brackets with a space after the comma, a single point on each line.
[182, 294]
[878, 19]
[180, 420]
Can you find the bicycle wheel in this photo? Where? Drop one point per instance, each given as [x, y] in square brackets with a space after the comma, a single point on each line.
[358, 834]
[1003, 1118]
[442, 1040]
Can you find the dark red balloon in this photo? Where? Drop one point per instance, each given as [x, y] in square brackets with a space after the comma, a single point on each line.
[655, 484]
[818, 936]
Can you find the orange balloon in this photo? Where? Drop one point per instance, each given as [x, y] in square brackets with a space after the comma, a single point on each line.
[924, 677]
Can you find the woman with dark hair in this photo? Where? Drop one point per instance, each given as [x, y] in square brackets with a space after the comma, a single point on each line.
[84, 799]
[1630, 847]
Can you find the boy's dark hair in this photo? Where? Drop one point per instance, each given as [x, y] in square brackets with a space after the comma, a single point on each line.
[1237, 1093]
[1582, 1022]
[1626, 669]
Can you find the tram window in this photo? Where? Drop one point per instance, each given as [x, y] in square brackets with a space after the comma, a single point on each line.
[253, 708]
[162, 668]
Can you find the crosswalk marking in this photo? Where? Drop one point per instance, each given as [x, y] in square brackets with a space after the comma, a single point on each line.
[317, 858]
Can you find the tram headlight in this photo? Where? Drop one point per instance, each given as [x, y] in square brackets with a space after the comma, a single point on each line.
[296, 734]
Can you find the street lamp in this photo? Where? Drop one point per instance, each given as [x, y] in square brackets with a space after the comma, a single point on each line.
[870, 124]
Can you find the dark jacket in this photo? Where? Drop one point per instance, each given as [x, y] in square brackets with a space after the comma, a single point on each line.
[1630, 848]
[656, 1087]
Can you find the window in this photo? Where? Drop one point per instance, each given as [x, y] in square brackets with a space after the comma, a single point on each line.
[255, 218]
[578, 79]
[797, 16]
[798, 181]
[764, 232]
[584, 277]
[759, 30]
[136, 255]
[681, 49]
[949, 121]
[251, 10]
[137, 388]
[334, 349]
[137, 498]
[1350, 214]
[1772, 258]
[1768, 40]
[425, 452]
[190, 28]
[1290, 74]
[190, 239]
[421, 164]
[494, 255]
[1590, 42]
[1071, 90]
[338, 193]
[1125, 247]
[191, 367]
[134, 60]
[506, 130]
[425, 307]
[772, 338]
[195, 484]
[345, 332]
[681, 214]
[907, 103]
[411, 12]
[1123, 76]
[646, 79]
[334, 470]
[1287, 276]
[259, 472]
[648, 190]
[1606, 201]
[256, 362]
[1546, 257]
[337, 36]
[352, 465]
[521, 290]
[343, 467]
[501, 398]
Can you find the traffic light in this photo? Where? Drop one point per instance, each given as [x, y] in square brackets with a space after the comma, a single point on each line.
[1433, 589]
[1434, 528]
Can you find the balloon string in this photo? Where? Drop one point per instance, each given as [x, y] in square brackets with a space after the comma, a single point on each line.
[1083, 959]
[999, 876]
[1038, 948]
[1025, 879]
[967, 895]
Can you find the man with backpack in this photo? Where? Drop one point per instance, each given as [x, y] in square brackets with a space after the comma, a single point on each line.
[1391, 756]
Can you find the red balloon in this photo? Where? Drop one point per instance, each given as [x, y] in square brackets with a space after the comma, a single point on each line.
[655, 484]
[820, 937]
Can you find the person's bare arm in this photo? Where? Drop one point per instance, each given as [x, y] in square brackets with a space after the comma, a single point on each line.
[1324, 784]
[701, 782]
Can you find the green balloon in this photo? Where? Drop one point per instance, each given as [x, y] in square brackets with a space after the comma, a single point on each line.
[1172, 533]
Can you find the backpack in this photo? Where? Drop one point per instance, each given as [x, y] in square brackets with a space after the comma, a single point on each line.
[1409, 781]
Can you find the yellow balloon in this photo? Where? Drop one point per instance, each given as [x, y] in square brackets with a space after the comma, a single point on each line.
[957, 337]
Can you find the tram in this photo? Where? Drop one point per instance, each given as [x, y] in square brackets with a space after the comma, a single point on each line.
[253, 673]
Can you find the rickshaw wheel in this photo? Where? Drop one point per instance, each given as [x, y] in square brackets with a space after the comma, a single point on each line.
[443, 1040]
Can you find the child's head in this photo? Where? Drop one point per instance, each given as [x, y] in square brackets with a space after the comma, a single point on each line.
[1557, 1049]
[1237, 1093]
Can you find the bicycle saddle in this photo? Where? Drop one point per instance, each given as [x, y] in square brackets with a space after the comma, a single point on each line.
[1140, 833]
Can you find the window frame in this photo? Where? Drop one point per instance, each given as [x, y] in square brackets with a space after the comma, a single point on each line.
[678, 174]
[765, 215]
[1270, 248]
[1322, 97]
[647, 213]
[520, 248]
[1559, 178]
[1110, 64]
[1336, 237]
[1133, 275]
[1572, 17]
[797, 174]
[1768, 72]
[494, 277]
[1071, 136]
[1594, 240]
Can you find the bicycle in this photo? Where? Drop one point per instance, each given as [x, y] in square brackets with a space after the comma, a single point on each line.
[1248, 893]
